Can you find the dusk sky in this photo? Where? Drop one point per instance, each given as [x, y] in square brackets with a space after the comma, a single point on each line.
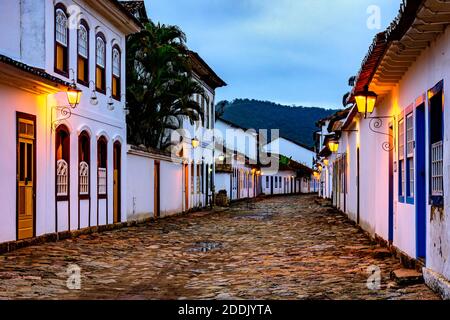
[298, 52]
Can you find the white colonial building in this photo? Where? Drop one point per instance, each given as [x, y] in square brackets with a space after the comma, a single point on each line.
[390, 168]
[65, 164]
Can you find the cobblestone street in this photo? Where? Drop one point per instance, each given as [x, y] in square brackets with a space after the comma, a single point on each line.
[280, 248]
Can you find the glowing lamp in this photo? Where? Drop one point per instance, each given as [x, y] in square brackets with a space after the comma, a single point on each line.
[333, 145]
[258, 172]
[326, 162]
[253, 171]
[365, 101]
[316, 175]
[221, 158]
[195, 143]
[74, 96]
[319, 168]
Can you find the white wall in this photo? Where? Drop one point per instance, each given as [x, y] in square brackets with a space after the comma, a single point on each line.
[140, 181]
[243, 141]
[171, 188]
[289, 149]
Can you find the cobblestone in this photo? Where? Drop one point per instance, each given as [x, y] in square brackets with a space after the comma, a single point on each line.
[278, 248]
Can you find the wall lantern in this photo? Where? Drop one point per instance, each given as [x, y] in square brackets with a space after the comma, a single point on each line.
[73, 96]
[258, 172]
[316, 175]
[333, 145]
[253, 171]
[195, 143]
[365, 101]
[65, 112]
[326, 162]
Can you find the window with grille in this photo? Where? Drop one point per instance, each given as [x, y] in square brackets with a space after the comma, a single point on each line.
[62, 178]
[410, 154]
[436, 137]
[437, 162]
[102, 181]
[83, 165]
[62, 162]
[84, 178]
[102, 158]
[401, 158]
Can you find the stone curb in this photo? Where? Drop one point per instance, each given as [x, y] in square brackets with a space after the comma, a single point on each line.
[437, 283]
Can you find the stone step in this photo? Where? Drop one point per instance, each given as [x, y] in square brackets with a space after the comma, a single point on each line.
[406, 277]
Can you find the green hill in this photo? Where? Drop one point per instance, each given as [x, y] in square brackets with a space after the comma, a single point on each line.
[295, 123]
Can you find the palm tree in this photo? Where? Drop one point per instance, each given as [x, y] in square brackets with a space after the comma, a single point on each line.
[160, 86]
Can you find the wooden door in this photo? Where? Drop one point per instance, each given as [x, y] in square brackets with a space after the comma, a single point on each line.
[186, 187]
[117, 182]
[25, 177]
[157, 191]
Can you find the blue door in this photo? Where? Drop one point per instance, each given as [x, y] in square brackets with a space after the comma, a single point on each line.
[420, 183]
[391, 184]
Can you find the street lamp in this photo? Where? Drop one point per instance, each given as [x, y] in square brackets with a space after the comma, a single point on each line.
[365, 101]
[195, 143]
[333, 145]
[73, 95]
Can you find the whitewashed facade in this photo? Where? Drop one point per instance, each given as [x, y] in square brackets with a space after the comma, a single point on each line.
[62, 173]
[293, 150]
[396, 160]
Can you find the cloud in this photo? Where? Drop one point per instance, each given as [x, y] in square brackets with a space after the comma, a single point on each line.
[282, 50]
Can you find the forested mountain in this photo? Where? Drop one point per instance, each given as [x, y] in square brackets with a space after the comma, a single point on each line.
[295, 123]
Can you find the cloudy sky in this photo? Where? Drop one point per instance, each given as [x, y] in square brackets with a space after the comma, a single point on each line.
[298, 52]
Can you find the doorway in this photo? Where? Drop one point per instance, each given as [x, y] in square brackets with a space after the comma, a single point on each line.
[186, 187]
[26, 173]
[157, 191]
[420, 183]
[271, 185]
[117, 182]
[391, 184]
[358, 192]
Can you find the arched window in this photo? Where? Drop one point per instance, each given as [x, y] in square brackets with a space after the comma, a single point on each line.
[83, 53]
[62, 163]
[116, 72]
[102, 160]
[100, 49]
[61, 41]
[84, 160]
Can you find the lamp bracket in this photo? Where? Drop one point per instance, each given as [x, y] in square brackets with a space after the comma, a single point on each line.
[375, 124]
[65, 113]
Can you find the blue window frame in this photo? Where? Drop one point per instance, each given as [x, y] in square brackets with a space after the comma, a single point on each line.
[409, 184]
[401, 161]
[436, 137]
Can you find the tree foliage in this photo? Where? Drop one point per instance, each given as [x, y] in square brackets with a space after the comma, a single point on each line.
[160, 86]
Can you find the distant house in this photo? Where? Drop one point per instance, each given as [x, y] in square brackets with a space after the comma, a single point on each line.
[249, 171]
[294, 150]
